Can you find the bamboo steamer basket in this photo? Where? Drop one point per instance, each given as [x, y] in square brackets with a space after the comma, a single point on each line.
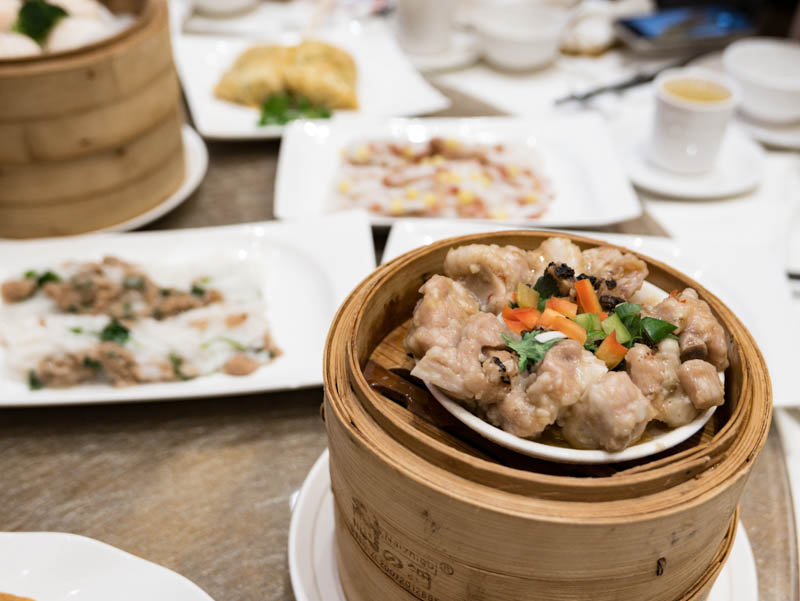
[468, 520]
[91, 137]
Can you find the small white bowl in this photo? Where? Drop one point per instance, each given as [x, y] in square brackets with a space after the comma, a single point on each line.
[519, 35]
[768, 73]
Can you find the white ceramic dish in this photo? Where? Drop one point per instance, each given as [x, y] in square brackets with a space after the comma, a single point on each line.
[312, 549]
[707, 261]
[46, 566]
[519, 35]
[590, 186]
[308, 272]
[739, 168]
[461, 52]
[768, 71]
[196, 155]
[568, 455]
[387, 83]
[778, 136]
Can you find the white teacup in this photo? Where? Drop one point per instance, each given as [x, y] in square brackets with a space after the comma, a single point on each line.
[693, 108]
[425, 26]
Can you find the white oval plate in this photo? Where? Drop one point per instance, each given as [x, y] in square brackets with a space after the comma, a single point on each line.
[56, 565]
[565, 455]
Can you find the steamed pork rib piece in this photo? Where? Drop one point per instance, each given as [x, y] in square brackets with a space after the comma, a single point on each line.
[562, 377]
[626, 271]
[491, 272]
[700, 334]
[460, 369]
[558, 251]
[701, 382]
[439, 315]
[611, 415]
[656, 375]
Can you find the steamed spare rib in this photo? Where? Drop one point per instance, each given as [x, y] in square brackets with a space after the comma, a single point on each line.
[523, 340]
[490, 272]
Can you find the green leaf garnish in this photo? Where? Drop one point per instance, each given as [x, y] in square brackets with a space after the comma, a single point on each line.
[177, 363]
[593, 340]
[529, 349]
[34, 383]
[42, 278]
[36, 18]
[76, 330]
[198, 290]
[115, 332]
[95, 365]
[282, 108]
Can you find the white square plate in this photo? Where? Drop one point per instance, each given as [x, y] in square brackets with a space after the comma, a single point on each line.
[308, 273]
[590, 186]
[387, 83]
[46, 566]
[742, 280]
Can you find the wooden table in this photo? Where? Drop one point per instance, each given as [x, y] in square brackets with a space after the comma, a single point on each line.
[203, 486]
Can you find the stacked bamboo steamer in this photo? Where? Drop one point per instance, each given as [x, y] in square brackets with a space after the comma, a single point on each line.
[422, 514]
[91, 137]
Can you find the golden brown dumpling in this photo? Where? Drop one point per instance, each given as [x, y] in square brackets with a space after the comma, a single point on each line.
[256, 74]
[324, 74]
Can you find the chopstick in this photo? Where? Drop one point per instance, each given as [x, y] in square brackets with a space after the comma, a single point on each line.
[631, 82]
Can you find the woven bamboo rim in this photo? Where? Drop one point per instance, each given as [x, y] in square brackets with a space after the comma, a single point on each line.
[747, 382]
[434, 494]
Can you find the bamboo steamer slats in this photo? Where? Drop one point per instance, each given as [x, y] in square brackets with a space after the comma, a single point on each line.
[657, 528]
[91, 137]
[87, 132]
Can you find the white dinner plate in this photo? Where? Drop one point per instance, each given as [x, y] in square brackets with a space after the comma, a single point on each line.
[590, 186]
[196, 156]
[50, 566]
[387, 83]
[779, 136]
[741, 279]
[312, 549]
[308, 273]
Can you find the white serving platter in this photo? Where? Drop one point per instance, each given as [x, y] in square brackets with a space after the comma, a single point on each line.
[591, 188]
[312, 548]
[50, 566]
[308, 272]
[721, 266]
[387, 85]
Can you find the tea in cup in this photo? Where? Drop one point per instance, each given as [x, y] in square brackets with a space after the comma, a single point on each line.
[693, 108]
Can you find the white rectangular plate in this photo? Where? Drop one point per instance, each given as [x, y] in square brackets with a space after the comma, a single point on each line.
[387, 83]
[740, 279]
[590, 186]
[308, 274]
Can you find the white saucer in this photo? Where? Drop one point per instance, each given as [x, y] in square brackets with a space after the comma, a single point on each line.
[312, 549]
[462, 52]
[739, 168]
[778, 136]
[196, 156]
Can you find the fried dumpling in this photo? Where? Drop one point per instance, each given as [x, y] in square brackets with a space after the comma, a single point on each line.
[323, 73]
[256, 75]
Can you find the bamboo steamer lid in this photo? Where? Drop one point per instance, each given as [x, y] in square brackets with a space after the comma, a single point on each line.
[92, 136]
[646, 530]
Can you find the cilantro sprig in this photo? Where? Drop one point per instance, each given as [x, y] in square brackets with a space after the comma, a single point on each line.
[529, 349]
[281, 108]
[115, 332]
